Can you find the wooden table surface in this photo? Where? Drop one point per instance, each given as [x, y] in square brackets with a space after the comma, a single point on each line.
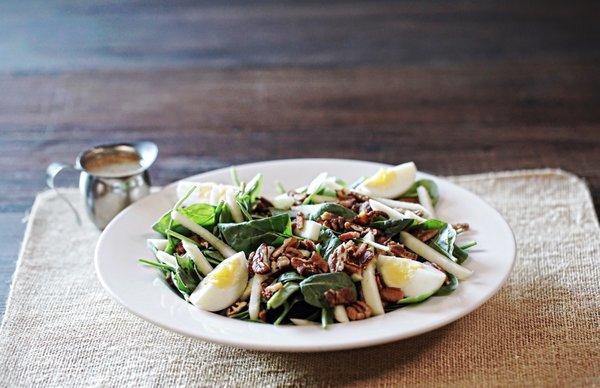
[458, 87]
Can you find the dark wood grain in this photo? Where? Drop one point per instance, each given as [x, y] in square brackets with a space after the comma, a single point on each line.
[458, 87]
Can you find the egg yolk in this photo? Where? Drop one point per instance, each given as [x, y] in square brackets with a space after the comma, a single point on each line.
[224, 275]
[383, 177]
[398, 270]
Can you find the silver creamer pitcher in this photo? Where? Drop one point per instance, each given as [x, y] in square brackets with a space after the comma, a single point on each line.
[112, 177]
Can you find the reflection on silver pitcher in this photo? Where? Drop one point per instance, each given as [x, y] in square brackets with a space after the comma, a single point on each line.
[112, 177]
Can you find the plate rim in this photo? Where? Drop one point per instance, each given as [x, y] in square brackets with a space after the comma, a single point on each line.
[356, 343]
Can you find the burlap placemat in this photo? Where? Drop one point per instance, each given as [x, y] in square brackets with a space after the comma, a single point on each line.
[542, 328]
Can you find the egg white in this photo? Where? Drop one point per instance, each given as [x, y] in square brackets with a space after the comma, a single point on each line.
[223, 286]
[412, 277]
[390, 182]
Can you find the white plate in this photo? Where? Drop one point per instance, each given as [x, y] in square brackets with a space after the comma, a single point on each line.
[143, 292]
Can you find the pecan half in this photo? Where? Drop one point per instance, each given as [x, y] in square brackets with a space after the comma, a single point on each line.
[236, 308]
[280, 263]
[309, 266]
[349, 236]
[263, 207]
[287, 243]
[358, 310]
[391, 294]
[260, 260]
[425, 234]
[354, 227]
[179, 249]
[408, 199]
[340, 296]
[298, 222]
[350, 258]
[332, 221]
[262, 315]
[307, 244]
[201, 242]
[268, 291]
[364, 218]
[400, 251]
[462, 227]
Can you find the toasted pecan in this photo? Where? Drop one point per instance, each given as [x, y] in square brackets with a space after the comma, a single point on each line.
[391, 294]
[358, 310]
[425, 234]
[339, 296]
[309, 266]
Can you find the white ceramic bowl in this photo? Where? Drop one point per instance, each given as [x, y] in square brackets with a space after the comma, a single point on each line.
[143, 291]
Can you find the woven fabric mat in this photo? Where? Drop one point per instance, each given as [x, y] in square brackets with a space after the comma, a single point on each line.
[542, 328]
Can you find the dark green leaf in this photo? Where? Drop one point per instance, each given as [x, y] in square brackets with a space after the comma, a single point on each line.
[326, 317]
[392, 227]
[429, 185]
[290, 276]
[282, 295]
[287, 306]
[213, 255]
[444, 241]
[170, 248]
[186, 277]
[314, 287]
[430, 224]
[247, 236]
[448, 288]
[222, 213]
[253, 188]
[313, 212]
[460, 254]
[201, 213]
[415, 299]
[328, 241]
[164, 268]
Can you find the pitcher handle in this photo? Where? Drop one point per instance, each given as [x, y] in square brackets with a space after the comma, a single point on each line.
[52, 171]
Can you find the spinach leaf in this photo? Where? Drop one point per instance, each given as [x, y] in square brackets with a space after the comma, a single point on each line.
[186, 277]
[430, 224]
[253, 188]
[213, 256]
[201, 213]
[287, 306]
[392, 227]
[164, 268]
[460, 254]
[290, 276]
[222, 213]
[282, 295]
[326, 317]
[249, 194]
[313, 288]
[328, 241]
[247, 236]
[429, 185]
[448, 288]
[444, 241]
[415, 299]
[312, 212]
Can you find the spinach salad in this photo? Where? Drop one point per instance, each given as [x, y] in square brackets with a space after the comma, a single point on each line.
[322, 253]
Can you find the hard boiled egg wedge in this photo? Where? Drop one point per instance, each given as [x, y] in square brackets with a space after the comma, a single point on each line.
[223, 286]
[206, 192]
[411, 276]
[390, 182]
